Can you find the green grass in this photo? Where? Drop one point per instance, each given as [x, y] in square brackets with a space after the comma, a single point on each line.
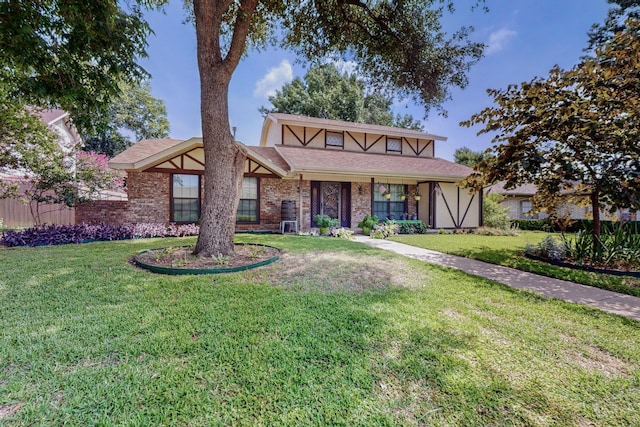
[336, 333]
[508, 250]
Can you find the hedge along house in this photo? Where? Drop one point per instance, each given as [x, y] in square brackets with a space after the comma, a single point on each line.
[331, 167]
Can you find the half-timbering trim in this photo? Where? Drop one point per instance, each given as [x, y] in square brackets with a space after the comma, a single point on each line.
[439, 191]
[175, 171]
[417, 150]
[468, 206]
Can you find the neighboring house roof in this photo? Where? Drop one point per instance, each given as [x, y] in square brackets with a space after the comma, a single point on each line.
[521, 190]
[310, 160]
[50, 116]
[339, 125]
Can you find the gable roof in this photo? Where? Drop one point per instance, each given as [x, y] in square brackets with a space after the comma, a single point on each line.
[521, 190]
[340, 125]
[147, 153]
[152, 152]
[313, 160]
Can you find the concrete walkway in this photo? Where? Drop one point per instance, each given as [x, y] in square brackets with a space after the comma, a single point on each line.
[612, 302]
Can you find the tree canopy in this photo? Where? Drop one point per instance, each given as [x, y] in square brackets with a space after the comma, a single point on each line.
[133, 115]
[397, 45]
[326, 93]
[468, 157]
[70, 54]
[574, 134]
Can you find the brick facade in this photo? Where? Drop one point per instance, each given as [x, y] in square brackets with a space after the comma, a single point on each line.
[360, 202]
[148, 202]
[272, 192]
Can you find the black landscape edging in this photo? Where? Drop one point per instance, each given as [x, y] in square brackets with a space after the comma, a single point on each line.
[584, 267]
[177, 271]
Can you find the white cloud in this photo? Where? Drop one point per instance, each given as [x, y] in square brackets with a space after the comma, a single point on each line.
[499, 40]
[348, 67]
[274, 79]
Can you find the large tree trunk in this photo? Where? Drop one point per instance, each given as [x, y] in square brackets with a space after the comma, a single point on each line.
[224, 159]
[224, 166]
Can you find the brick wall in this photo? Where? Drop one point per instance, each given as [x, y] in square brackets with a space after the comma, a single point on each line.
[148, 197]
[360, 202]
[272, 192]
[148, 202]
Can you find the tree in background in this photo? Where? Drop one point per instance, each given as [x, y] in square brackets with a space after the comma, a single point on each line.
[50, 174]
[600, 34]
[328, 94]
[71, 54]
[132, 116]
[574, 134]
[468, 157]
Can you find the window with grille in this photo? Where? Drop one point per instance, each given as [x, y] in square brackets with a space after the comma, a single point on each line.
[334, 139]
[185, 198]
[394, 145]
[248, 206]
[384, 208]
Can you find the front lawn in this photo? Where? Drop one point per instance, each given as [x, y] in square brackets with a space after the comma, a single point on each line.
[508, 250]
[336, 333]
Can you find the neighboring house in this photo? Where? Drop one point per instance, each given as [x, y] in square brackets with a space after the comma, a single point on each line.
[15, 213]
[321, 166]
[519, 201]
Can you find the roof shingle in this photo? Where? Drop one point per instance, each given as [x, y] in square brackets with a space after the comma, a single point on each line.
[348, 162]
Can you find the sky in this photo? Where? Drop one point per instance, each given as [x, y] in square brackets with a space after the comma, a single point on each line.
[524, 38]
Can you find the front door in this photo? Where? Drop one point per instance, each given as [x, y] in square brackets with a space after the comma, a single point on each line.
[333, 199]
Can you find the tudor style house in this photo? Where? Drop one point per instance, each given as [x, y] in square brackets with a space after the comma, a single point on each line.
[313, 166]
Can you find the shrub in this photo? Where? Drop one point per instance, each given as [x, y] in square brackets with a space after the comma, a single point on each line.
[618, 244]
[384, 230]
[44, 235]
[548, 248]
[493, 213]
[490, 231]
[341, 233]
[369, 221]
[532, 224]
[410, 228]
[325, 221]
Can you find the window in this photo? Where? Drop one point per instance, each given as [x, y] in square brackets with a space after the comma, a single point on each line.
[248, 206]
[525, 207]
[185, 198]
[394, 145]
[334, 139]
[383, 208]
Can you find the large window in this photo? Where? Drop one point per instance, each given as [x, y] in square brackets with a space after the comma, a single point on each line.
[248, 206]
[385, 208]
[185, 198]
